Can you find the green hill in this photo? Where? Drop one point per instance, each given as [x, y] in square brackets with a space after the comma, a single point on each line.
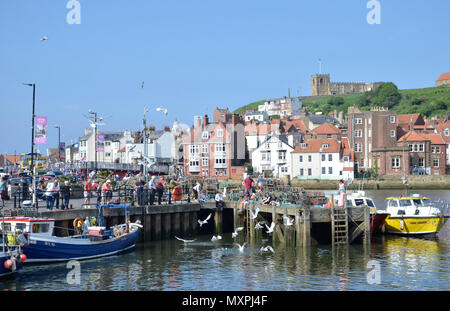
[427, 101]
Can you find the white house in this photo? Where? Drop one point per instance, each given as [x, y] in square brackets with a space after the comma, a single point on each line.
[285, 106]
[273, 154]
[322, 159]
[159, 148]
[259, 116]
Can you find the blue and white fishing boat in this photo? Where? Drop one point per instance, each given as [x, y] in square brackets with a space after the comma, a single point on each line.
[11, 257]
[92, 242]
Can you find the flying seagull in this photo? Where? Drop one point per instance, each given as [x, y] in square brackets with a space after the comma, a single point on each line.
[258, 226]
[142, 84]
[272, 226]
[216, 238]
[185, 241]
[162, 109]
[202, 222]
[266, 249]
[241, 247]
[44, 38]
[288, 221]
[236, 232]
[255, 214]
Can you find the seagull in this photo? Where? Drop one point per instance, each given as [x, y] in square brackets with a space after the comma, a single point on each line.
[235, 233]
[272, 226]
[241, 248]
[225, 192]
[255, 214]
[162, 109]
[202, 222]
[185, 241]
[288, 221]
[44, 38]
[142, 84]
[266, 249]
[215, 238]
[258, 226]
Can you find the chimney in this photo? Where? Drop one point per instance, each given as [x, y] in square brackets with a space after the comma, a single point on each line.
[166, 128]
[151, 128]
[205, 121]
[197, 121]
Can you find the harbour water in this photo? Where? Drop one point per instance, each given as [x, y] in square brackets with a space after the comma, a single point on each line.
[401, 263]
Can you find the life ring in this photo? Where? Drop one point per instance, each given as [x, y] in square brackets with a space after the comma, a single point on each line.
[23, 239]
[78, 223]
[177, 193]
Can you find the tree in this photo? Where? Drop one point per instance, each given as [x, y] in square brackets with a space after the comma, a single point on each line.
[386, 95]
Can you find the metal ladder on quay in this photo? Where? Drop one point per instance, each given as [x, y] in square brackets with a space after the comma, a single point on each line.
[339, 226]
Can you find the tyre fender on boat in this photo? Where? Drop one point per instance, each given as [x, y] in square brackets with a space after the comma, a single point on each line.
[78, 223]
[402, 224]
[23, 240]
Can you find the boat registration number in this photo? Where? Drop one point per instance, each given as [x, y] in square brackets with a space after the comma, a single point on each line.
[49, 244]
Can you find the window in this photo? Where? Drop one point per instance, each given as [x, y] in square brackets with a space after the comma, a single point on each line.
[219, 132]
[205, 148]
[329, 136]
[404, 203]
[323, 157]
[345, 158]
[369, 120]
[309, 172]
[358, 147]
[416, 148]
[282, 155]
[300, 158]
[447, 132]
[194, 163]
[370, 203]
[421, 147]
[358, 133]
[220, 147]
[393, 204]
[369, 132]
[435, 162]
[323, 171]
[410, 147]
[309, 158]
[40, 228]
[370, 147]
[193, 149]
[301, 172]
[420, 162]
[330, 157]
[330, 170]
[108, 154]
[204, 161]
[107, 143]
[438, 149]
[392, 133]
[358, 121]
[359, 202]
[392, 118]
[284, 169]
[395, 162]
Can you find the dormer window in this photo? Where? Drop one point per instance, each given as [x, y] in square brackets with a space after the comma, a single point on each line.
[205, 135]
[304, 145]
[447, 132]
[219, 132]
[325, 146]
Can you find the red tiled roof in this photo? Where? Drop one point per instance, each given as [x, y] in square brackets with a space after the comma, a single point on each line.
[441, 128]
[349, 168]
[314, 145]
[412, 136]
[325, 128]
[444, 76]
[405, 119]
[14, 159]
[297, 125]
[436, 139]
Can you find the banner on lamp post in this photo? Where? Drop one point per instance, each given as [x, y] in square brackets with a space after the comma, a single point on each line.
[62, 149]
[100, 142]
[40, 136]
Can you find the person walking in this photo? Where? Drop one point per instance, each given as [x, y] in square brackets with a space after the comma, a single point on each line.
[56, 190]
[260, 182]
[87, 192]
[49, 195]
[160, 189]
[152, 188]
[23, 184]
[65, 195]
[4, 189]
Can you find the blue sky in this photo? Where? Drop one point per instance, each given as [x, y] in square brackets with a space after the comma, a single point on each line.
[195, 55]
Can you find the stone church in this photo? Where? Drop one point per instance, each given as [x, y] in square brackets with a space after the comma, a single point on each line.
[322, 86]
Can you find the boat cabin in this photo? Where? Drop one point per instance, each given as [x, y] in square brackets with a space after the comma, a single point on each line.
[412, 205]
[359, 198]
[33, 226]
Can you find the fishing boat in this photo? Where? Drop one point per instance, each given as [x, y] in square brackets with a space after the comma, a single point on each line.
[11, 256]
[377, 217]
[413, 214]
[91, 242]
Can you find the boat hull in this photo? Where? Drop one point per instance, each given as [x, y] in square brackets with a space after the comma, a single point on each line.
[414, 225]
[63, 249]
[377, 221]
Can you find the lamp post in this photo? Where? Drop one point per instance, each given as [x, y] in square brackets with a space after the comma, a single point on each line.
[144, 124]
[95, 136]
[59, 141]
[32, 143]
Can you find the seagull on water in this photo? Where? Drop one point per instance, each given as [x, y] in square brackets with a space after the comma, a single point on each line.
[185, 241]
[266, 249]
[288, 221]
[202, 222]
[255, 214]
[272, 226]
[216, 238]
[241, 247]
[236, 232]
[162, 109]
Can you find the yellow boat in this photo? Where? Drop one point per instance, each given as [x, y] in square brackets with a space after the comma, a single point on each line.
[413, 215]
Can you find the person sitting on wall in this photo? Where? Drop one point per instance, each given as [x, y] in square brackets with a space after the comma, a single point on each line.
[219, 201]
[203, 197]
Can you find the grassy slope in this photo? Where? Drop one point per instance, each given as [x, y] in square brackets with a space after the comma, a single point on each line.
[413, 101]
